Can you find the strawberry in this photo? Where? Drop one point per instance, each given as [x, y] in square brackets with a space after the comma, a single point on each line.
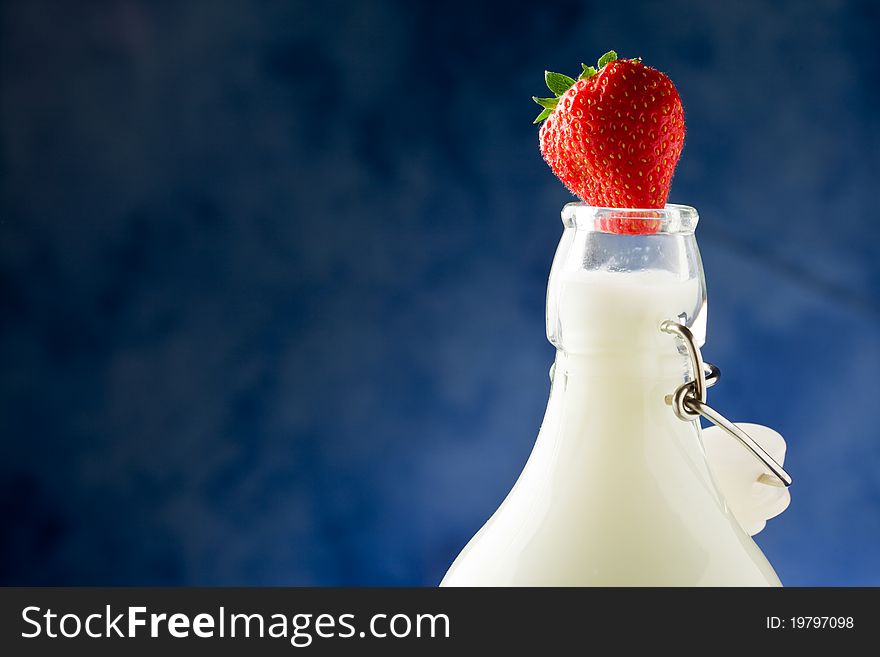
[614, 135]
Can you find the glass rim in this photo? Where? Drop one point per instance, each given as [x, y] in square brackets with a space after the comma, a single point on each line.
[672, 219]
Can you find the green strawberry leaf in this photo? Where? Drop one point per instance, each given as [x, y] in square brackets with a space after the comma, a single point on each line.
[543, 115]
[609, 56]
[589, 72]
[549, 103]
[557, 82]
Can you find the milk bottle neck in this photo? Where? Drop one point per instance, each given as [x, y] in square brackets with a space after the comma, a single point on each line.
[610, 291]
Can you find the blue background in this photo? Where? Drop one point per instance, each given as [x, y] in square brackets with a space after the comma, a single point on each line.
[272, 274]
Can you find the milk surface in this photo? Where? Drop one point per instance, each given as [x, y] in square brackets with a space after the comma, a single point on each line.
[601, 311]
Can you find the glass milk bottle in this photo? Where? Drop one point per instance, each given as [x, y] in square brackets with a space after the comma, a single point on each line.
[617, 490]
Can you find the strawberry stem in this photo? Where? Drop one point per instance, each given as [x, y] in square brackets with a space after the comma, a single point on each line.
[543, 115]
[589, 72]
[557, 82]
[549, 103]
[609, 56]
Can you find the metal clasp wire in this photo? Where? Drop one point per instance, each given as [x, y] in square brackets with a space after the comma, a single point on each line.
[689, 402]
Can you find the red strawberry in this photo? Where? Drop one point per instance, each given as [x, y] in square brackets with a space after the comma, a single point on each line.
[613, 137]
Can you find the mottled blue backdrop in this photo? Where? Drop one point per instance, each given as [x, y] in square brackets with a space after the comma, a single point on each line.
[272, 274]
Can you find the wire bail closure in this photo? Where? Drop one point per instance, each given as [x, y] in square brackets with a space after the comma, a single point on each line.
[689, 402]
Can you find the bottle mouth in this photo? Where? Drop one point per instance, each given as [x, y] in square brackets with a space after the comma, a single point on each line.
[673, 219]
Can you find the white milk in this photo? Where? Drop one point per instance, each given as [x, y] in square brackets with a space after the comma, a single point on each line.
[616, 491]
